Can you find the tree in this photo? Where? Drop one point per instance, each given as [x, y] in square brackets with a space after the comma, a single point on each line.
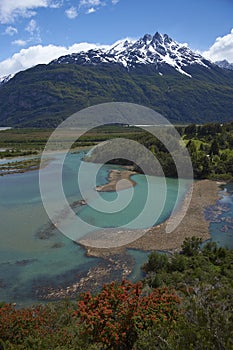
[156, 262]
[191, 147]
[191, 246]
[190, 130]
[214, 149]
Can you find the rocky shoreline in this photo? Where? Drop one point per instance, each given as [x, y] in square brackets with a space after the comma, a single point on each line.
[194, 223]
[117, 264]
[116, 267]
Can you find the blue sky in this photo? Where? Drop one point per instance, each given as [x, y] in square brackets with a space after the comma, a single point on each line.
[36, 31]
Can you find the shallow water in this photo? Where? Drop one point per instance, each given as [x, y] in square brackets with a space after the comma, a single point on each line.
[140, 257]
[34, 254]
[221, 229]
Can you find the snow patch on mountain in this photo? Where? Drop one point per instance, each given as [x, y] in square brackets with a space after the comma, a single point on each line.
[224, 64]
[6, 78]
[157, 50]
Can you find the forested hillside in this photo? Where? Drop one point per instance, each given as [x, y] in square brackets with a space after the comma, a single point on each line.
[45, 95]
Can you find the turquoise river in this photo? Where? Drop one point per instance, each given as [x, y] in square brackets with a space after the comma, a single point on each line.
[33, 252]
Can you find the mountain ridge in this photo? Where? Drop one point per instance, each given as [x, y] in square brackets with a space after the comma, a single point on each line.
[158, 50]
[224, 64]
[154, 71]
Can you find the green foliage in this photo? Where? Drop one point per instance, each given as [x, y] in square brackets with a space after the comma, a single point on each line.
[204, 279]
[156, 261]
[211, 154]
[45, 95]
[196, 315]
[191, 130]
[206, 324]
[214, 149]
[191, 246]
[178, 263]
[2, 345]
[210, 149]
[193, 264]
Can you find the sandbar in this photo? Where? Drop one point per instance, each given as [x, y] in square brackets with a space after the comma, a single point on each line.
[118, 180]
[194, 223]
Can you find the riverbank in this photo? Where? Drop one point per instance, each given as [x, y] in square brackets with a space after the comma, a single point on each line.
[194, 223]
[25, 163]
[22, 166]
[117, 264]
[114, 267]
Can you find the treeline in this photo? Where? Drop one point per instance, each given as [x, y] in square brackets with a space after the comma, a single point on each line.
[210, 147]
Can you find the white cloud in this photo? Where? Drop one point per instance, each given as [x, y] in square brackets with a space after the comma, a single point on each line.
[221, 49]
[91, 6]
[11, 9]
[91, 10]
[31, 27]
[11, 31]
[90, 3]
[39, 54]
[19, 42]
[72, 12]
[56, 4]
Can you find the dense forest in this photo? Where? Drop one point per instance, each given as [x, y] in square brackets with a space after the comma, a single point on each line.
[210, 147]
[184, 302]
[45, 95]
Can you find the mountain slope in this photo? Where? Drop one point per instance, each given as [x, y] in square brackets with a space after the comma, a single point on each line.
[173, 80]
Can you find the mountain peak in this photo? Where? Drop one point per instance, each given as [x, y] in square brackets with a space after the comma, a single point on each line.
[157, 38]
[167, 39]
[158, 50]
[147, 38]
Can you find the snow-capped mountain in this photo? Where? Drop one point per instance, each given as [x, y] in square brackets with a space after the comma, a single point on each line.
[6, 78]
[224, 64]
[158, 50]
[154, 71]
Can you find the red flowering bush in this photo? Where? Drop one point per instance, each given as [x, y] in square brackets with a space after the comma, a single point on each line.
[112, 319]
[116, 315]
[18, 324]
[38, 327]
